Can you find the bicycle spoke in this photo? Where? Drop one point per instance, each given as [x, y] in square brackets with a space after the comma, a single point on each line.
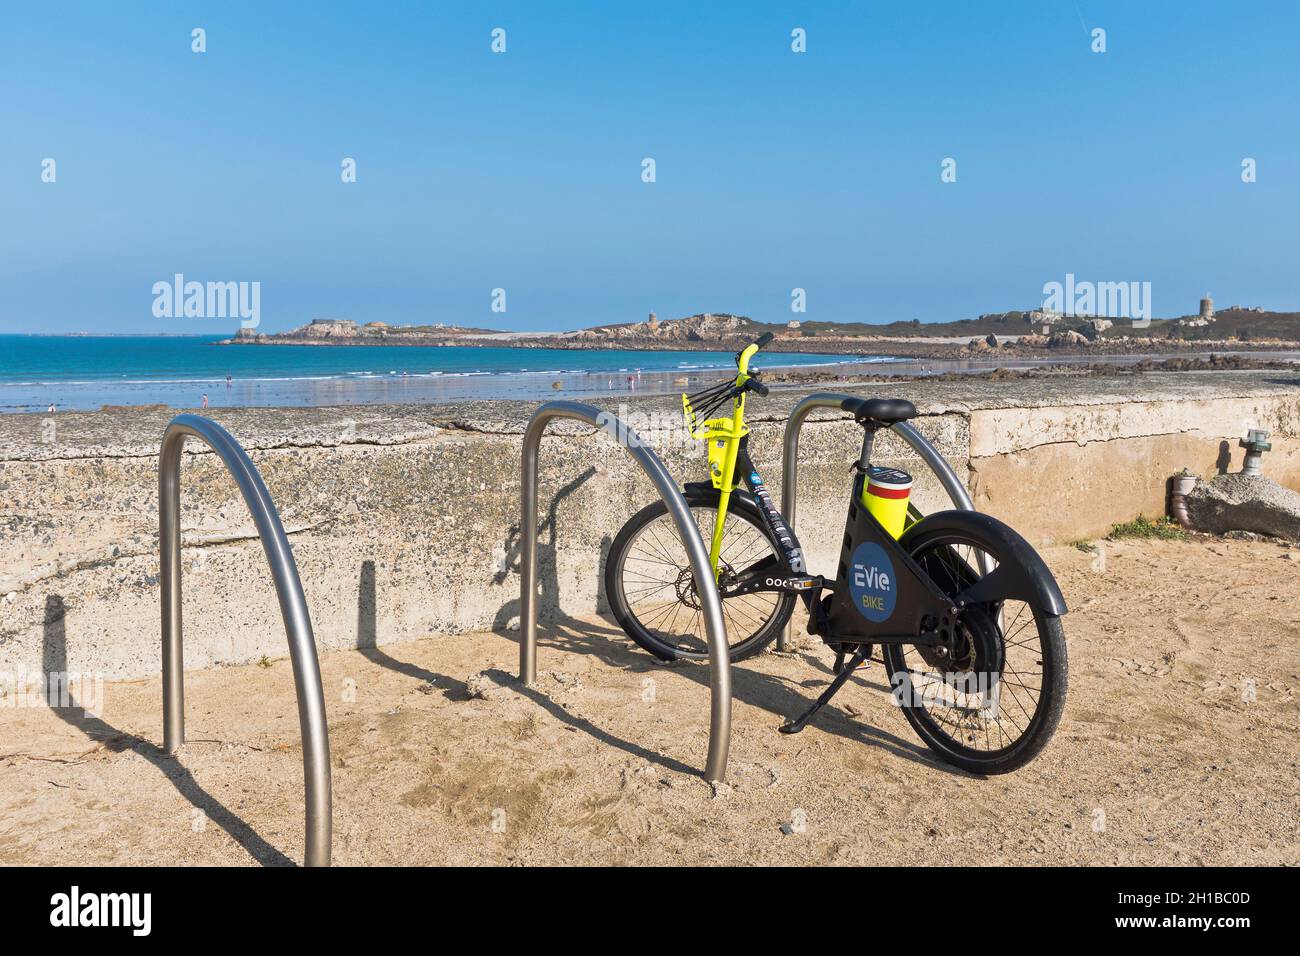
[984, 719]
[658, 584]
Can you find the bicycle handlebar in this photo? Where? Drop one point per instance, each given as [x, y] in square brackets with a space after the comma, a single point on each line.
[745, 354]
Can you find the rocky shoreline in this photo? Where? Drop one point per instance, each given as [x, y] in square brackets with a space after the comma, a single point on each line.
[848, 346]
[727, 333]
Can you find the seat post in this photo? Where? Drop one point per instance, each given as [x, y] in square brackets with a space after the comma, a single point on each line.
[868, 438]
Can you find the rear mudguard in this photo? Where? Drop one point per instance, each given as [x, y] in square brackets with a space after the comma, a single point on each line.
[1022, 575]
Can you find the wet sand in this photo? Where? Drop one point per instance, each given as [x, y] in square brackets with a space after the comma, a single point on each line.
[543, 386]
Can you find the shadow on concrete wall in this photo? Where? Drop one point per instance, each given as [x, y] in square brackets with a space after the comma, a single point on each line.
[366, 628]
[548, 602]
[368, 640]
[1224, 461]
[54, 666]
[602, 598]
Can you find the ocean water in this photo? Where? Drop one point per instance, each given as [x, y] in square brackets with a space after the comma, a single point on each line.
[85, 372]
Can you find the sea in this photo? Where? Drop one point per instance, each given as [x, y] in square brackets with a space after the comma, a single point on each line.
[87, 372]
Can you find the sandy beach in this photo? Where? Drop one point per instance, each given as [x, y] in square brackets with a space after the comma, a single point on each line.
[1177, 746]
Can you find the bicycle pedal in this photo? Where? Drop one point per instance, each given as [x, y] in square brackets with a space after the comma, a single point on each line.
[803, 582]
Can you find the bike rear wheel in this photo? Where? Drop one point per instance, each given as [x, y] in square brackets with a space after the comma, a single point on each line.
[994, 706]
[651, 589]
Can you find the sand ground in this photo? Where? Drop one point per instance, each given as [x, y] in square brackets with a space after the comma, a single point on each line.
[1178, 745]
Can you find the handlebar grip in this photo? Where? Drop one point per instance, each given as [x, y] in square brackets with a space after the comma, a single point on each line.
[758, 386]
[764, 339]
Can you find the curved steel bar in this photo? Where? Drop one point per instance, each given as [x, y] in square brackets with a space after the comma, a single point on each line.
[951, 482]
[293, 607]
[711, 606]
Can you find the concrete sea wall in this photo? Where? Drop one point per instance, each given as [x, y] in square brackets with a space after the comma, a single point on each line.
[404, 519]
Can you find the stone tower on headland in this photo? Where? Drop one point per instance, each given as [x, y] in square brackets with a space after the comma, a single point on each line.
[1207, 309]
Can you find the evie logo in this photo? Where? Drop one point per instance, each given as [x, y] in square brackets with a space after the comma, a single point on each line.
[871, 582]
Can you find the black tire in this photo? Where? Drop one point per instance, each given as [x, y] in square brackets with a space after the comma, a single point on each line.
[663, 618]
[1031, 668]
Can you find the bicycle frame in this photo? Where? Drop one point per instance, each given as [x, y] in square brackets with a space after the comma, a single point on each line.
[887, 600]
[916, 598]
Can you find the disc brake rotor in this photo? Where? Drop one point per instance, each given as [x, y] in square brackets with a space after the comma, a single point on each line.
[685, 584]
[980, 665]
[972, 655]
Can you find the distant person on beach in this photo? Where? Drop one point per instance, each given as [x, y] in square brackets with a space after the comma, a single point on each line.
[228, 381]
[205, 399]
[52, 409]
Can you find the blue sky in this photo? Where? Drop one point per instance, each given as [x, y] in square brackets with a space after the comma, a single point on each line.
[522, 170]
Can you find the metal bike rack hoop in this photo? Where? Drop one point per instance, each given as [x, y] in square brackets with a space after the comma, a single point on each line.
[711, 605]
[293, 607]
[919, 443]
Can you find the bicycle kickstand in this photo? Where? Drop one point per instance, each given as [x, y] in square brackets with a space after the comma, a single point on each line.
[845, 673]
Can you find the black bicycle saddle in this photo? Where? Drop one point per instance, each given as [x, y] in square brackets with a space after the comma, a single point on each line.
[887, 411]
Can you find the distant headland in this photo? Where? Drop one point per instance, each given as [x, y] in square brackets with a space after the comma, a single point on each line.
[1026, 332]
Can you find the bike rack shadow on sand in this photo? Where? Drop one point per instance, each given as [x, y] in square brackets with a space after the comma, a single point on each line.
[920, 444]
[293, 607]
[711, 605]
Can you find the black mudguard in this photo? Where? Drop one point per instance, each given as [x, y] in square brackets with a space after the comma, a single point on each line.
[1022, 575]
[704, 491]
[791, 554]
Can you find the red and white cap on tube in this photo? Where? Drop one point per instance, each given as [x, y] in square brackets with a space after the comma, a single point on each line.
[888, 482]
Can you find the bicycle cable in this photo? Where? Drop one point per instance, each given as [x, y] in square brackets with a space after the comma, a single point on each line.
[709, 400]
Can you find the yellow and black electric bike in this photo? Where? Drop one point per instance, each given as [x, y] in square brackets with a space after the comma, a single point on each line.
[965, 613]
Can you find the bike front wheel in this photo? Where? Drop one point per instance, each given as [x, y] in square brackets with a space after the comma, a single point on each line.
[651, 589]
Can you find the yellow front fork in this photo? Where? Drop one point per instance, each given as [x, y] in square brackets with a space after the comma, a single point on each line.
[728, 483]
[729, 462]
